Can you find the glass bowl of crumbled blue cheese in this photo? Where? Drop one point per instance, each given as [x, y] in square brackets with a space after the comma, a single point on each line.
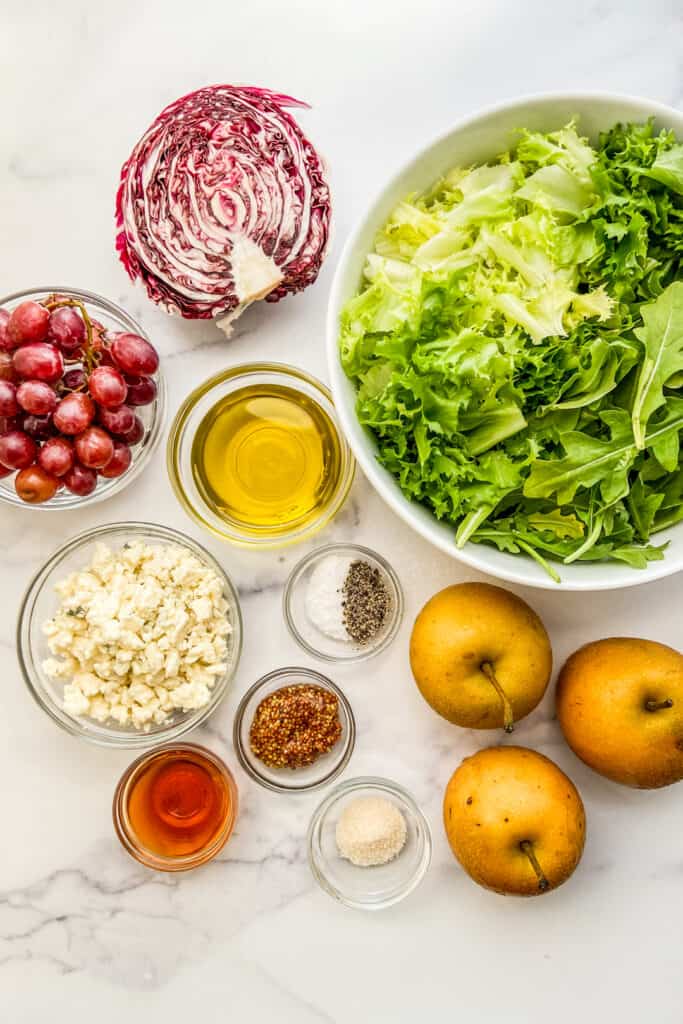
[129, 635]
[343, 603]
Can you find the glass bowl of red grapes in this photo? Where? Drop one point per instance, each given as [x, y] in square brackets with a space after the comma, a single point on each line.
[81, 398]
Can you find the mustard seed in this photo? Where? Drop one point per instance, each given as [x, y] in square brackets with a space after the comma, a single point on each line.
[294, 726]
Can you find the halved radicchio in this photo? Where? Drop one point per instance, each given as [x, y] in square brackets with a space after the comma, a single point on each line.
[223, 201]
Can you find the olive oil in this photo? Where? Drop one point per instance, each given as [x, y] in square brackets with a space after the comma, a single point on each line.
[268, 458]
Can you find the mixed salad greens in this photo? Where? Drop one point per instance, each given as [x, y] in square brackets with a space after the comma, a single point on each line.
[517, 346]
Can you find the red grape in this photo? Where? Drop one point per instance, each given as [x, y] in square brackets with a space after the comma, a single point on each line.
[107, 387]
[117, 421]
[141, 390]
[133, 354]
[57, 456]
[38, 427]
[5, 345]
[74, 413]
[8, 423]
[17, 450]
[39, 361]
[28, 322]
[99, 331]
[105, 356]
[135, 434]
[119, 462]
[9, 405]
[80, 480]
[35, 485]
[7, 371]
[66, 329]
[36, 397]
[100, 343]
[74, 380]
[4, 471]
[94, 447]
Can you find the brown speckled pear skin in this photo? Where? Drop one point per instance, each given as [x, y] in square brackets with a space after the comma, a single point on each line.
[464, 626]
[620, 707]
[502, 797]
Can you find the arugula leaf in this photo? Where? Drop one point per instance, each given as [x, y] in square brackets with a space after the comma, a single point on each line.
[662, 338]
[643, 503]
[590, 460]
[638, 557]
[559, 523]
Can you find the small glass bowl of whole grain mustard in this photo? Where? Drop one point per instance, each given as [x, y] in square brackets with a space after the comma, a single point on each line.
[294, 731]
[175, 808]
[257, 456]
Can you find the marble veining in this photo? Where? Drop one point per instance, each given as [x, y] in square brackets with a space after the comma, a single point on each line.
[84, 931]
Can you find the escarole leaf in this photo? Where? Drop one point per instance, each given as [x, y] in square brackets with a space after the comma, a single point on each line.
[492, 426]
[668, 168]
[662, 338]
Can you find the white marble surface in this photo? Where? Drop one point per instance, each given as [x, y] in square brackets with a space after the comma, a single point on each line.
[83, 930]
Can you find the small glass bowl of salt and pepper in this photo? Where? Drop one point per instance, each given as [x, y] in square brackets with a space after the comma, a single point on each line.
[343, 603]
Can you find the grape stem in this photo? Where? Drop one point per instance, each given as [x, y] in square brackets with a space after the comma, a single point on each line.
[89, 358]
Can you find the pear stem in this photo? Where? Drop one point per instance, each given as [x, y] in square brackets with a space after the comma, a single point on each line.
[527, 847]
[658, 705]
[508, 715]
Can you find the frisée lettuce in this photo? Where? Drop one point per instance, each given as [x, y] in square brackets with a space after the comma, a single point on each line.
[517, 346]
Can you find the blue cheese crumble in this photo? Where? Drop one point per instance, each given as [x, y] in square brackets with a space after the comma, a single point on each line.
[140, 633]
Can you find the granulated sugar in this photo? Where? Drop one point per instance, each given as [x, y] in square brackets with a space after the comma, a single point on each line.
[370, 831]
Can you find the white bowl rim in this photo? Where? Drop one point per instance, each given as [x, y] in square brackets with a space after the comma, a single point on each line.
[406, 510]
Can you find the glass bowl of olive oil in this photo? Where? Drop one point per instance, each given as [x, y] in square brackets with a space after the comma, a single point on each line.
[257, 456]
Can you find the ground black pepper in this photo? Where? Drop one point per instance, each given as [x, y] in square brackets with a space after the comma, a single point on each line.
[295, 725]
[365, 602]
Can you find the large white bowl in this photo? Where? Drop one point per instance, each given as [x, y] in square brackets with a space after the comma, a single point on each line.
[477, 139]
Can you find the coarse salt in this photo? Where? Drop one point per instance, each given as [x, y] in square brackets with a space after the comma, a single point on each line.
[324, 598]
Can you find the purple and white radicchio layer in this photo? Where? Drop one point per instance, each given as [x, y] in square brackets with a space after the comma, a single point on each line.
[223, 201]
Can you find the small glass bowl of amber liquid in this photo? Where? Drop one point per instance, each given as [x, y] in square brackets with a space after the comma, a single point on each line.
[175, 807]
[257, 456]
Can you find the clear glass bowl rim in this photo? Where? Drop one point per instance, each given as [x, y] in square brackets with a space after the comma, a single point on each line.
[31, 675]
[390, 788]
[237, 374]
[307, 675]
[114, 486]
[126, 835]
[360, 654]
